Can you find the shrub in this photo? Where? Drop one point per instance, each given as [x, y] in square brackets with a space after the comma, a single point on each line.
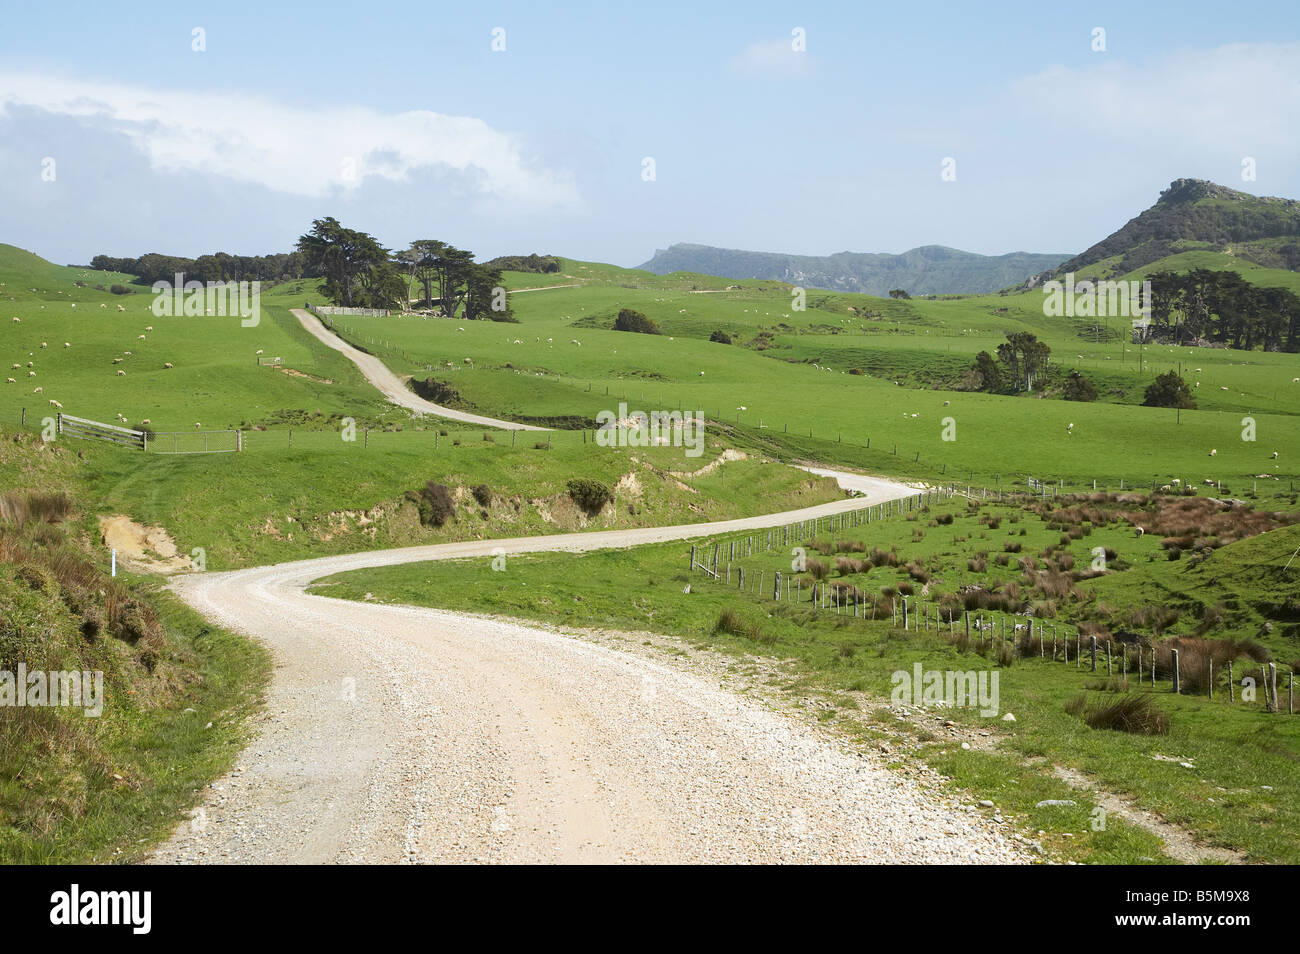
[631, 320]
[434, 504]
[817, 569]
[120, 290]
[1078, 388]
[1169, 390]
[721, 337]
[483, 494]
[590, 495]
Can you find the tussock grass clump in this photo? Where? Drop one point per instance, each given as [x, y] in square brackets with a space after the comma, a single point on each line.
[483, 494]
[1132, 713]
[817, 569]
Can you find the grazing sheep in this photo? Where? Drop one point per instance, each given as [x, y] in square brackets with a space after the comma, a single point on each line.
[121, 308]
[67, 344]
[259, 350]
[10, 381]
[167, 364]
[127, 353]
[74, 304]
[197, 425]
[54, 403]
[117, 360]
[1214, 452]
[148, 327]
[102, 305]
[1139, 532]
[121, 374]
[45, 344]
[146, 421]
[468, 361]
[16, 365]
[1069, 428]
[31, 374]
[16, 319]
[37, 390]
[141, 337]
[1274, 455]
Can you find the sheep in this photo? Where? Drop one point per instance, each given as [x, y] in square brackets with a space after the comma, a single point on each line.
[31, 374]
[1069, 428]
[141, 337]
[67, 344]
[117, 360]
[17, 366]
[197, 425]
[167, 365]
[10, 381]
[127, 353]
[74, 304]
[102, 305]
[121, 308]
[1214, 452]
[259, 350]
[121, 374]
[16, 319]
[45, 344]
[54, 403]
[1274, 457]
[38, 390]
[1139, 532]
[148, 327]
[31, 364]
[468, 361]
[146, 421]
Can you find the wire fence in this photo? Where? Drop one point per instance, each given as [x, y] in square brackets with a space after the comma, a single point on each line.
[1003, 636]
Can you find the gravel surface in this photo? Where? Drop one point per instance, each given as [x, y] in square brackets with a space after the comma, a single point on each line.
[399, 734]
[392, 387]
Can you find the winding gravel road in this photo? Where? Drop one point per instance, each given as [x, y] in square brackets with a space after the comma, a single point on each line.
[402, 734]
[391, 386]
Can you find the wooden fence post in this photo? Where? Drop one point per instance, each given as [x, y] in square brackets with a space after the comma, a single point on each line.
[1174, 655]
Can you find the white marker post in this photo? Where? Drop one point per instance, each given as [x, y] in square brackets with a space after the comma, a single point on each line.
[114, 569]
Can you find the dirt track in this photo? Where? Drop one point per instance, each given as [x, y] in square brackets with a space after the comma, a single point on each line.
[399, 734]
[391, 386]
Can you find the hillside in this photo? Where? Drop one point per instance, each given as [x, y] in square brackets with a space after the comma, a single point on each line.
[1194, 214]
[928, 270]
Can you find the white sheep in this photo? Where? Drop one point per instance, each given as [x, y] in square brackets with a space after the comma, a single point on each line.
[74, 304]
[45, 344]
[1274, 457]
[167, 364]
[146, 421]
[141, 337]
[148, 327]
[54, 403]
[17, 365]
[117, 360]
[259, 350]
[38, 390]
[10, 381]
[67, 344]
[1214, 452]
[121, 308]
[197, 425]
[31, 374]
[121, 374]
[16, 319]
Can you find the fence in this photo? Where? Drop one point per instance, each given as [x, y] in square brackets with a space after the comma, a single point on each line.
[1003, 635]
[97, 430]
[196, 442]
[339, 310]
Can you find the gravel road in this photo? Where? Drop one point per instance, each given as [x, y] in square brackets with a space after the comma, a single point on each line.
[390, 385]
[399, 734]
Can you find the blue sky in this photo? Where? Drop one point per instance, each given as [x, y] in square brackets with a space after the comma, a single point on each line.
[402, 120]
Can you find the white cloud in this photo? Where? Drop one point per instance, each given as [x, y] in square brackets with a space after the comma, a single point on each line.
[299, 151]
[1239, 96]
[776, 57]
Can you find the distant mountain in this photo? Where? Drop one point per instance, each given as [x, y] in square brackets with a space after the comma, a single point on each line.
[1196, 214]
[928, 270]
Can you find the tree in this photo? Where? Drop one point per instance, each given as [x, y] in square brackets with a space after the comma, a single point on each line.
[898, 293]
[345, 258]
[630, 320]
[485, 296]
[1025, 357]
[990, 374]
[1169, 390]
[1078, 388]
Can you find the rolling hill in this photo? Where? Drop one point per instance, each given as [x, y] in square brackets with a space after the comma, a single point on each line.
[928, 270]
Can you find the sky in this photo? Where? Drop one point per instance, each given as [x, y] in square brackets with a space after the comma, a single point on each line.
[606, 131]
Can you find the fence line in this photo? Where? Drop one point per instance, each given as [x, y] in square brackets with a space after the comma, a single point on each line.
[340, 310]
[912, 614]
